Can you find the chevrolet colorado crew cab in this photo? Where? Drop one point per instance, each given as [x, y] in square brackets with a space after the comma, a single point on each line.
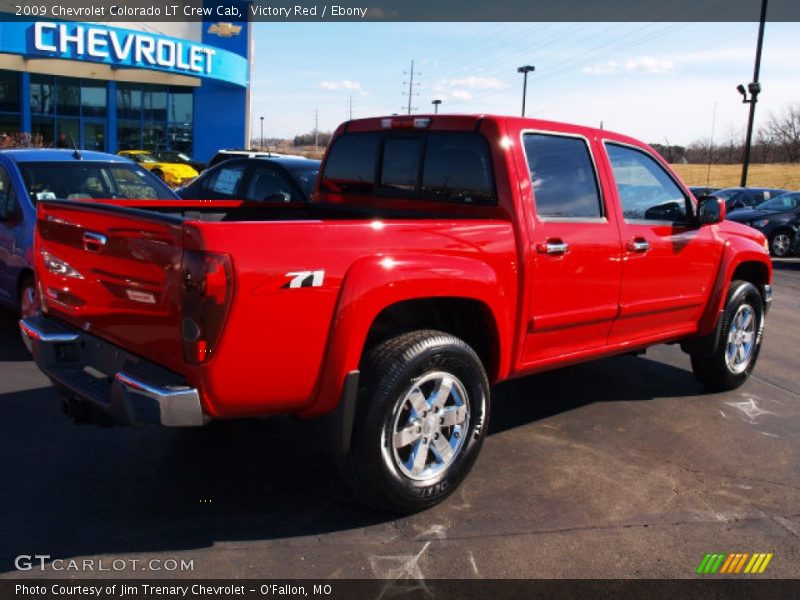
[439, 254]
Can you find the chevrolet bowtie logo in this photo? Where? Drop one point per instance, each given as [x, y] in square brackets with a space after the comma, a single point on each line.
[225, 29]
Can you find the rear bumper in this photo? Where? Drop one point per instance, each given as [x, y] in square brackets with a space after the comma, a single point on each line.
[123, 387]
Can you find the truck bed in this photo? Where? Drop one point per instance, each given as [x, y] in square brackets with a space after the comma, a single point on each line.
[290, 270]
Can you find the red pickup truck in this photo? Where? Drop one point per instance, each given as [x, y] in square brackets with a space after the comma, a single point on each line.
[439, 254]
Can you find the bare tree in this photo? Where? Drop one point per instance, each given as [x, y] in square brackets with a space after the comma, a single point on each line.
[783, 132]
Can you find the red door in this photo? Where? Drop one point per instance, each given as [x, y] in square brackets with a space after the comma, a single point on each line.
[574, 273]
[668, 261]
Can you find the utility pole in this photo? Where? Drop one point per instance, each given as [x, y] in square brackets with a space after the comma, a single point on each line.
[262, 134]
[316, 131]
[411, 85]
[436, 104]
[351, 107]
[711, 145]
[754, 87]
[525, 70]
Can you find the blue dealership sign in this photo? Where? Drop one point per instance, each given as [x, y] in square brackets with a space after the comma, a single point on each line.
[122, 48]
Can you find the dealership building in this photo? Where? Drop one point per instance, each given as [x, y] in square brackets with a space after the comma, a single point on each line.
[139, 85]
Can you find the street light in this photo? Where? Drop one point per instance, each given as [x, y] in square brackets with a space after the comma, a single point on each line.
[754, 88]
[525, 70]
[262, 134]
[436, 104]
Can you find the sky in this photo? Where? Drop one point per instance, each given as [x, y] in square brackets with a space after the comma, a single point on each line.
[657, 82]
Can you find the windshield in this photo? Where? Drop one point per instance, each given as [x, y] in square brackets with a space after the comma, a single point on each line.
[142, 158]
[85, 180]
[784, 202]
[305, 177]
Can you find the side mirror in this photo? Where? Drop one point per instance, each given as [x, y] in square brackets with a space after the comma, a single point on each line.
[710, 210]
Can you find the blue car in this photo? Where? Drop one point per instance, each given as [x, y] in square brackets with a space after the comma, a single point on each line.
[33, 174]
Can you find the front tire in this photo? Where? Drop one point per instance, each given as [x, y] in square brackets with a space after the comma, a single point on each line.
[420, 421]
[736, 353]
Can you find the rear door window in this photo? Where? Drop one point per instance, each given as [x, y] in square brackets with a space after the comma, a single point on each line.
[563, 177]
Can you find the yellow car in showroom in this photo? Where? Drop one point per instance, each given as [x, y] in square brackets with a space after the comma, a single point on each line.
[173, 174]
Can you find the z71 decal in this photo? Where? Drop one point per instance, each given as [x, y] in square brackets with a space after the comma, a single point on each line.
[301, 279]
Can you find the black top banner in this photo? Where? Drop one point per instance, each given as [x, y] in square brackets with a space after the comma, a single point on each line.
[402, 10]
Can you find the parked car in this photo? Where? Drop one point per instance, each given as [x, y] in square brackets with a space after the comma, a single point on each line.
[172, 173]
[700, 191]
[224, 155]
[428, 265]
[173, 156]
[738, 197]
[263, 179]
[28, 176]
[776, 219]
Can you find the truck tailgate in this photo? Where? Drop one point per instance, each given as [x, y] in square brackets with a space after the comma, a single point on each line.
[114, 272]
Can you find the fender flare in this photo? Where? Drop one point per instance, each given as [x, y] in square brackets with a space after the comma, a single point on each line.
[375, 283]
[733, 256]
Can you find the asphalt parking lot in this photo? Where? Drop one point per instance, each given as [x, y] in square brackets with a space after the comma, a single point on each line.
[618, 468]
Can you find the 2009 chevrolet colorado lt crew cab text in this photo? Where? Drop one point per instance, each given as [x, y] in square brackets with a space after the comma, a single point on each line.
[440, 254]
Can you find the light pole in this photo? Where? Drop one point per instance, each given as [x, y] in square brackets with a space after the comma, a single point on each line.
[262, 134]
[436, 104]
[525, 70]
[754, 88]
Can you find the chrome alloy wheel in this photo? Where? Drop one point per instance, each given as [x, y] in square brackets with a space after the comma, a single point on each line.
[741, 339]
[781, 244]
[429, 426]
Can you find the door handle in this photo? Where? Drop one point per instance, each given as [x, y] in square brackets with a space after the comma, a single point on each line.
[639, 245]
[554, 247]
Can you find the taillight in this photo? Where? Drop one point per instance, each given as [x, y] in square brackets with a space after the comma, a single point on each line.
[207, 290]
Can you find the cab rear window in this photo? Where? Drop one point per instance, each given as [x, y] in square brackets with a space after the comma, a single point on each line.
[435, 166]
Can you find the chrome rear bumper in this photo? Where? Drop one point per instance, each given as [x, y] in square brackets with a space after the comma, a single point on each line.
[121, 386]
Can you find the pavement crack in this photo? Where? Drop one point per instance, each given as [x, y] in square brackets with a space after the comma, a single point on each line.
[775, 385]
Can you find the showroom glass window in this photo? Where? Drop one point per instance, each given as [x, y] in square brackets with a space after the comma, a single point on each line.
[67, 111]
[154, 117]
[9, 106]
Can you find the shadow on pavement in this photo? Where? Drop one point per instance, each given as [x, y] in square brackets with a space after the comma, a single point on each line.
[81, 490]
[786, 264]
[11, 347]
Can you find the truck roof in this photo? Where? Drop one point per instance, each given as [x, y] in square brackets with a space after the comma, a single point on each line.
[469, 121]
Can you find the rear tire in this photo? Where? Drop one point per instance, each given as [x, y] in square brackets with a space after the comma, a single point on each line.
[739, 343]
[420, 421]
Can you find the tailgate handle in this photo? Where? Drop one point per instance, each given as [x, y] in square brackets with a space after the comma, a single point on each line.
[94, 242]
